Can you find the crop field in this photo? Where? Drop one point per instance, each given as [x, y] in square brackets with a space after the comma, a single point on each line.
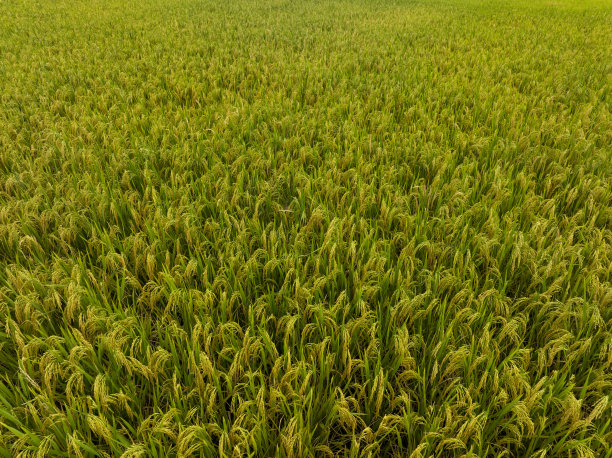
[306, 228]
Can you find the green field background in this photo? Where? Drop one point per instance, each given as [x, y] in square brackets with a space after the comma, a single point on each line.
[315, 228]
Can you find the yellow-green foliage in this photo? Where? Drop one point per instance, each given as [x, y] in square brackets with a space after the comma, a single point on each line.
[305, 228]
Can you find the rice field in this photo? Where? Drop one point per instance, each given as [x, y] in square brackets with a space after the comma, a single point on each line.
[317, 228]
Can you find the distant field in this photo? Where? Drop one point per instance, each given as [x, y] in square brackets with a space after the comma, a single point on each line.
[306, 228]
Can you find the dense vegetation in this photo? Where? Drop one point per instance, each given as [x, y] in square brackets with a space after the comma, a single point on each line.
[305, 228]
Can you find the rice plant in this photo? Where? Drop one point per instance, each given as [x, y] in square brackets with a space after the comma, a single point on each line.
[317, 228]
